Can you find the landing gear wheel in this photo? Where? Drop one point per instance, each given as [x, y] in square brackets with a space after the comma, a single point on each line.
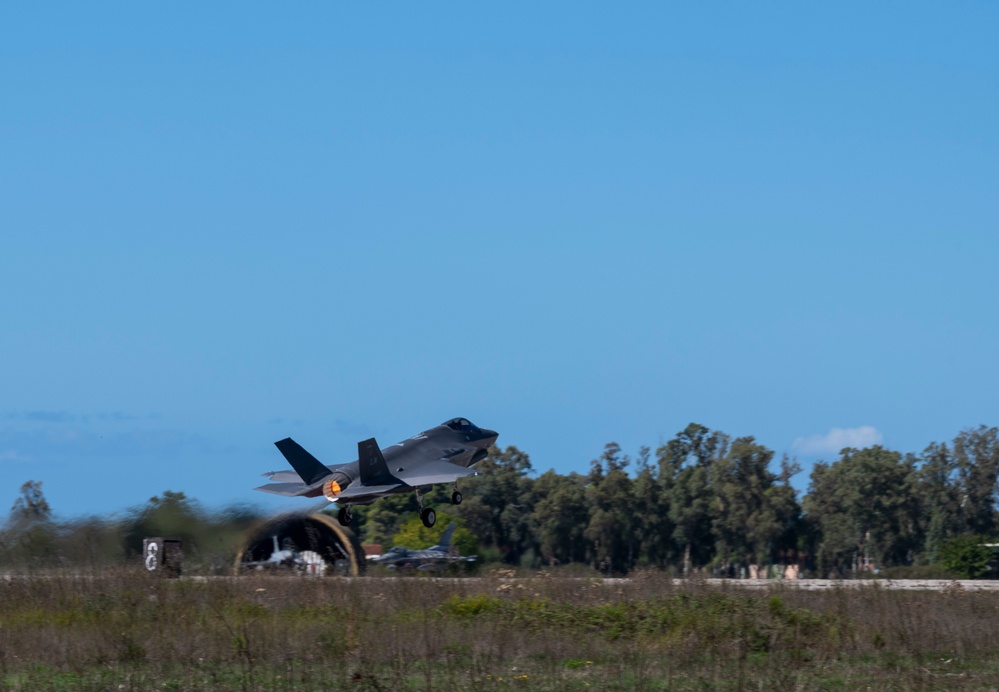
[455, 498]
[344, 516]
[429, 517]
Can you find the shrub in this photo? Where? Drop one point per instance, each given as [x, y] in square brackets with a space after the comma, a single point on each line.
[967, 556]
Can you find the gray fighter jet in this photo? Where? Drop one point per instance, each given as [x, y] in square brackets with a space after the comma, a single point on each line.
[435, 557]
[288, 557]
[439, 455]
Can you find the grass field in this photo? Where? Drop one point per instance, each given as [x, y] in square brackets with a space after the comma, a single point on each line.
[127, 630]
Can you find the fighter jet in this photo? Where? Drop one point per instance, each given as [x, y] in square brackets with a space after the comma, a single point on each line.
[440, 455]
[288, 557]
[436, 557]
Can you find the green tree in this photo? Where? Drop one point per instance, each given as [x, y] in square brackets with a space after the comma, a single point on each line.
[976, 457]
[751, 514]
[380, 521]
[170, 515]
[497, 503]
[865, 506]
[30, 535]
[414, 535]
[684, 468]
[560, 516]
[652, 514]
[611, 528]
[91, 542]
[957, 487]
[940, 496]
[30, 507]
[783, 499]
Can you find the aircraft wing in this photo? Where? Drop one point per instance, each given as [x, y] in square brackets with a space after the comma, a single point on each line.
[432, 472]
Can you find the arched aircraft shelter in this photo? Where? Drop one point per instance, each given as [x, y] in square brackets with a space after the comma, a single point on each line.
[309, 543]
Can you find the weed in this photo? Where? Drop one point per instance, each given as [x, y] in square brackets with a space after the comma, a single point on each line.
[127, 631]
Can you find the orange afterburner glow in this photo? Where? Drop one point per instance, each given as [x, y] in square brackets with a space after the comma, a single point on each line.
[331, 489]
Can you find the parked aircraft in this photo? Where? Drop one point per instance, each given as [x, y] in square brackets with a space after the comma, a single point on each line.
[436, 557]
[289, 557]
[440, 455]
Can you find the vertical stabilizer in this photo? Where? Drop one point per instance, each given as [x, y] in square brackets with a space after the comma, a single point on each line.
[445, 542]
[371, 464]
[309, 469]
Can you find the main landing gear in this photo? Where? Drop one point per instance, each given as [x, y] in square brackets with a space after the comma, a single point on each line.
[427, 515]
[344, 516]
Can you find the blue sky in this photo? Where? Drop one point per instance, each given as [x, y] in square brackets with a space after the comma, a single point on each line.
[574, 224]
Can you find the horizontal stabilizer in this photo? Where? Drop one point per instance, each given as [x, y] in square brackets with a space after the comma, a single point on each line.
[286, 489]
[355, 490]
[308, 468]
[284, 477]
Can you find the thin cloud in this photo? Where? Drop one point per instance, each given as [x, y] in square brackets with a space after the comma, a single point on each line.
[116, 416]
[45, 416]
[65, 417]
[838, 439]
[60, 441]
[11, 455]
[42, 416]
[358, 430]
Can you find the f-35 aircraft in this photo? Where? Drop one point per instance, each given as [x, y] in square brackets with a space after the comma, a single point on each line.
[439, 455]
[436, 557]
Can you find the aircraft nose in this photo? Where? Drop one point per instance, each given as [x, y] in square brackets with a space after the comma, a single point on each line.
[490, 436]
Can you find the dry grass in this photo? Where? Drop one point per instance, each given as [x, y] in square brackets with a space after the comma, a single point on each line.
[127, 630]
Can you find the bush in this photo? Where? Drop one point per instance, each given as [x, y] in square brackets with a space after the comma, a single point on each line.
[966, 556]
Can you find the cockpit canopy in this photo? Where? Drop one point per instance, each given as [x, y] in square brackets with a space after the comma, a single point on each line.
[461, 425]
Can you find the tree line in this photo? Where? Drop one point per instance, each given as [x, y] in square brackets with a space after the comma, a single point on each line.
[704, 501]
[33, 537]
[700, 502]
